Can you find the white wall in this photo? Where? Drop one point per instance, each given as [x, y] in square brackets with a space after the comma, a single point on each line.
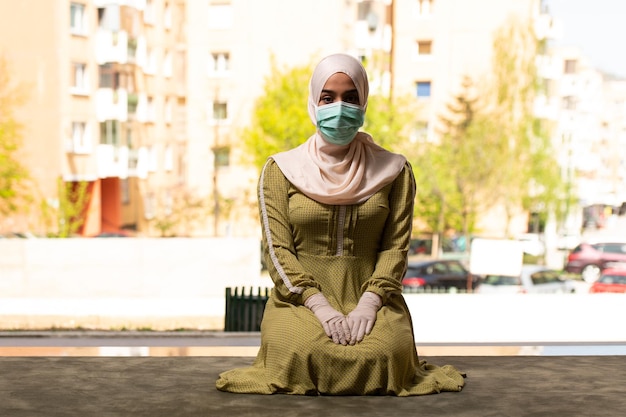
[180, 283]
[126, 267]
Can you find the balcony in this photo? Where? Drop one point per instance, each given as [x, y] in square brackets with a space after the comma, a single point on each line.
[111, 104]
[112, 161]
[111, 46]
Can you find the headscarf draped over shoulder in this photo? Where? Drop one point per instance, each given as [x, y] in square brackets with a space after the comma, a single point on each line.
[336, 174]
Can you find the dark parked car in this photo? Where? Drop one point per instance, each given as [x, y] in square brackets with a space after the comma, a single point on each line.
[590, 259]
[440, 273]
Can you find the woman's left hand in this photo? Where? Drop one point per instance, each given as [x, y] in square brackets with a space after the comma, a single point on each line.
[361, 320]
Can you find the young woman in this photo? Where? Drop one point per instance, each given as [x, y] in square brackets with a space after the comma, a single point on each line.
[336, 215]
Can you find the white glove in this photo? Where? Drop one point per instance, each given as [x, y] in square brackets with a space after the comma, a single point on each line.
[361, 320]
[334, 323]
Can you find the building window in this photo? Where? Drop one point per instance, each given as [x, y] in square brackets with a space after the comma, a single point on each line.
[424, 7]
[570, 66]
[220, 15]
[168, 162]
[152, 159]
[167, 16]
[80, 142]
[569, 103]
[151, 110]
[108, 77]
[220, 110]
[167, 111]
[110, 132]
[125, 188]
[149, 13]
[79, 78]
[222, 156]
[364, 8]
[423, 89]
[149, 204]
[78, 19]
[219, 63]
[151, 61]
[424, 48]
[167, 64]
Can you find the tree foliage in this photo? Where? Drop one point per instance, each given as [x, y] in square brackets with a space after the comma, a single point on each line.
[14, 177]
[492, 150]
[280, 119]
[73, 200]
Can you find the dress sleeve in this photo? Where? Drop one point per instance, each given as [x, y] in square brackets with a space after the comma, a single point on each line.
[391, 259]
[290, 279]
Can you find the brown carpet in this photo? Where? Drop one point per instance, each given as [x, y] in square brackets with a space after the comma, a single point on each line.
[184, 386]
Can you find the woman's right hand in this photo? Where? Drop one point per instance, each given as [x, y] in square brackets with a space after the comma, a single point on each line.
[334, 323]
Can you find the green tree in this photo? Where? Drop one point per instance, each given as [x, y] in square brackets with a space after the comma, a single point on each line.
[492, 150]
[15, 182]
[73, 200]
[530, 176]
[280, 119]
[457, 174]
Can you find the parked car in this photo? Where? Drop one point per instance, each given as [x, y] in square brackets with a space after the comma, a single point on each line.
[533, 279]
[437, 273]
[423, 246]
[611, 280]
[590, 259]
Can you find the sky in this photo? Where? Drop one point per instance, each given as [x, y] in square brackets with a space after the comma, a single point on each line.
[598, 27]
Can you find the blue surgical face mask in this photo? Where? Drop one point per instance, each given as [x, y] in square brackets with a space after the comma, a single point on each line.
[339, 122]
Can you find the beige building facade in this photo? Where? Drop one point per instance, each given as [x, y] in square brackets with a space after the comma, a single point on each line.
[145, 99]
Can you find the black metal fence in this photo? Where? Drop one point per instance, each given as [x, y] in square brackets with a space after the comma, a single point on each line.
[244, 312]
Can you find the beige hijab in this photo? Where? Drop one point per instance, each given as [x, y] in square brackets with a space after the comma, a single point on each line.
[336, 174]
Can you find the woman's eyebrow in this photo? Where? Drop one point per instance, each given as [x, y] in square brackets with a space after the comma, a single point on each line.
[354, 90]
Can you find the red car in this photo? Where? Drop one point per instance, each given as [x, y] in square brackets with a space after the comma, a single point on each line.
[612, 280]
[590, 259]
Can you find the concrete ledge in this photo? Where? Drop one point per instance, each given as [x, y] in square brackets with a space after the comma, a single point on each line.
[176, 386]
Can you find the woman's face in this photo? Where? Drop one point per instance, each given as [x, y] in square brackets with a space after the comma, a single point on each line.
[339, 87]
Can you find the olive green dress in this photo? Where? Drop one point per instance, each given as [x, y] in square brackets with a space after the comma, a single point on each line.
[341, 251]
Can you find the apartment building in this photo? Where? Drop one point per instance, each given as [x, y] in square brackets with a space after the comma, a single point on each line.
[145, 99]
[589, 109]
[106, 84]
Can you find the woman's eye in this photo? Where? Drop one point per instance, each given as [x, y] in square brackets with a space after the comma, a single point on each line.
[352, 100]
[326, 100]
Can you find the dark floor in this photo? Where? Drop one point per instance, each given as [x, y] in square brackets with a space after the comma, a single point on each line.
[184, 386]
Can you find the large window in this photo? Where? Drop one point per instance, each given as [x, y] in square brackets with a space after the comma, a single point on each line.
[219, 63]
[424, 7]
[167, 64]
[79, 78]
[78, 19]
[569, 66]
[222, 156]
[423, 89]
[220, 110]
[167, 16]
[108, 77]
[424, 48]
[80, 142]
[110, 132]
[149, 13]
